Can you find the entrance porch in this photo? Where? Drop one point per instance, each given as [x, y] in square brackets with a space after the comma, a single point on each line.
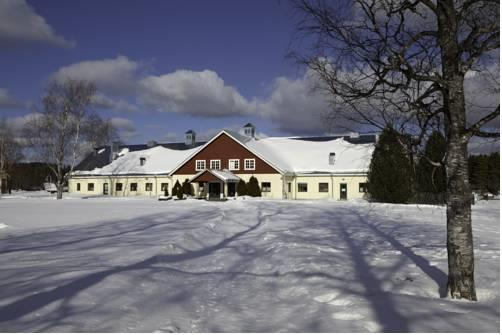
[215, 184]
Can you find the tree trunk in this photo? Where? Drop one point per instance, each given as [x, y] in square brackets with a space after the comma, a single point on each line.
[459, 227]
[59, 183]
[458, 193]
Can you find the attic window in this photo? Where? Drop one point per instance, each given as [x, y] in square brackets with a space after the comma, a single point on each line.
[142, 161]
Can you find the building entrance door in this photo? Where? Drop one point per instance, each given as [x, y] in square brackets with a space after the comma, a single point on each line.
[105, 188]
[214, 190]
[343, 191]
[231, 189]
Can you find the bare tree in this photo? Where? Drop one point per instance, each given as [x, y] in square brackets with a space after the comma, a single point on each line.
[56, 132]
[10, 152]
[98, 132]
[403, 63]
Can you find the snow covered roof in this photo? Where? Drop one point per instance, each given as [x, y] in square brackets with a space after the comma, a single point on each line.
[224, 175]
[299, 155]
[302, 156]
[158, 160]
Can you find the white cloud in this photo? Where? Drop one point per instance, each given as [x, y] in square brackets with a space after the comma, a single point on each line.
[201, 93]
[115, 76]
[125, 127]
[482, 95]
[294, 106]
[102, 101]
[7, 101]
[20, 24]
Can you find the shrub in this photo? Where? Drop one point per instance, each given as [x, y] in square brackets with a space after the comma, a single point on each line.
[177, 188]
[187, 188]
[241, 188]
[252, 187]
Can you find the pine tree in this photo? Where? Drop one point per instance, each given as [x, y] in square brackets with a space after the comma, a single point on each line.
[177, 189]
[494, 173]
[390, 177]
[479, 173]
[430, 178]
[253, 189]
[241, 188]
[187, 188]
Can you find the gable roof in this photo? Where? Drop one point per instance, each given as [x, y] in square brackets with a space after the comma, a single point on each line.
[223, 175]
[240, 139]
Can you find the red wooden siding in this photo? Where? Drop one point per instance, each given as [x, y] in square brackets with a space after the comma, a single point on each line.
[225, 148]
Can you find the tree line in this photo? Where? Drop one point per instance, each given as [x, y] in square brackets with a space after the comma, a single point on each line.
[395, 176]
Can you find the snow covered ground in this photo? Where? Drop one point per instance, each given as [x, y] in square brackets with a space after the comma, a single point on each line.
[142, 265]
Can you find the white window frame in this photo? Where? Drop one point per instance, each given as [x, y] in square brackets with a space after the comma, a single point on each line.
[211, 164]
[197, 164]
[246, 160]
[233, 168]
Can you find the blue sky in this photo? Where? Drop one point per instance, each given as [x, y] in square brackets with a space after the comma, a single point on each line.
[162, 67]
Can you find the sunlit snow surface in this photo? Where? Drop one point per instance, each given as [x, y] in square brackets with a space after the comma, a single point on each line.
[141, 265]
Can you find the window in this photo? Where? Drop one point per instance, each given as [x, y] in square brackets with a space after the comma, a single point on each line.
[215, 164]
[233, 164]
[323, 187]
[164, 186]
[90, 186]
[200, 165]
[302, 187]
[148, 187]
[363, 187]
[118, 187]
[142, 161]
[78, 186]
[249, 164]
[289, 187]
[266, 187]
[134, 187]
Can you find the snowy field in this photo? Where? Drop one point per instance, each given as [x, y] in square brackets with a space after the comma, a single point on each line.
[139, 265]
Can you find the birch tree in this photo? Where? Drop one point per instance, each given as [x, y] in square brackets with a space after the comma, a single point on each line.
[56, 132]
[403, 63]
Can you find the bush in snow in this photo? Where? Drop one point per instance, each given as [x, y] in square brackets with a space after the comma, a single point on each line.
[252, 187]
[176, 188]
[187, 188]
[241, 188]
[390, 178]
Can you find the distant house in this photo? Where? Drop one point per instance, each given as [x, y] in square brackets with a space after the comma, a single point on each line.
[286, 167]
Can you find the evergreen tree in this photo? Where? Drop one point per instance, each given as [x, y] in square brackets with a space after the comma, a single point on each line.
[390, 178]
[430, 178]
[253, 189]
[479, 173]
[494, 173]
[177, 189]
[241, 187]
[187, 188]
